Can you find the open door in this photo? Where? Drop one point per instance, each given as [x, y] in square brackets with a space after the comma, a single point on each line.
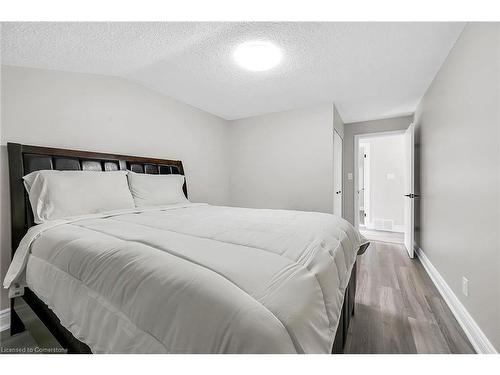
[409, 179]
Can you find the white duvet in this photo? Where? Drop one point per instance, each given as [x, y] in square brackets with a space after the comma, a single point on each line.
[193, 278]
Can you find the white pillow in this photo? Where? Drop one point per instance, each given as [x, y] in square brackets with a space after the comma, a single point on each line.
[63, 194]
[156, 189]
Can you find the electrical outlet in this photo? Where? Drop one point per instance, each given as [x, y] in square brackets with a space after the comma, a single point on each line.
[465, 286]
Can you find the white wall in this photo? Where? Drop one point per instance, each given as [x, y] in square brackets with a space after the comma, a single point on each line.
[4, 253]
[458, 157]
[99, 113]
[365, 127]
[386, 195]
[284, 160]
[281, 160]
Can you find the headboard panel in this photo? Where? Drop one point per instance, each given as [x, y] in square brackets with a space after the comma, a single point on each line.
[24, 159]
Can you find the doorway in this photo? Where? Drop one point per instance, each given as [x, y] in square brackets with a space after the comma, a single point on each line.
[380, 186]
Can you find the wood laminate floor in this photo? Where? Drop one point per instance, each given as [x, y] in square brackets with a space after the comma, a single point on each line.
[37, 339]
[398, 309]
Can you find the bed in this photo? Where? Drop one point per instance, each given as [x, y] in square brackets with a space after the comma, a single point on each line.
[182, 278]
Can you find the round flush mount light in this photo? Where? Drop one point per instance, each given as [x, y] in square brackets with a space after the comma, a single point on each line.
[257, 56]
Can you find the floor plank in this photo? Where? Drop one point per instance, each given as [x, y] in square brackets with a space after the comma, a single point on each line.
[37, 339]
[398, 308]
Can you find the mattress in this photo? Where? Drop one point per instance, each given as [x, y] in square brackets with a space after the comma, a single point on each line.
[193, 278]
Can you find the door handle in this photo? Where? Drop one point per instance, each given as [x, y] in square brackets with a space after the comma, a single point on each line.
[411, 195]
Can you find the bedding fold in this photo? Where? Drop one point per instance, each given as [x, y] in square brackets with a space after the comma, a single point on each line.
[193, 278]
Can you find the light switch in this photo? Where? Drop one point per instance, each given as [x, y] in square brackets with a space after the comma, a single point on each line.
[390, 176]
[349, 176]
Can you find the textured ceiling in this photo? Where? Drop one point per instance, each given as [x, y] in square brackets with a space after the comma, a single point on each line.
[370, 70]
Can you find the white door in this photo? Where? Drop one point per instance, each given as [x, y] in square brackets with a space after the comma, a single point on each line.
[364, 183]
[409, 189]
[337, 174]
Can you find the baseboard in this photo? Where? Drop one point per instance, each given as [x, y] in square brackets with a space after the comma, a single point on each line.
[4, 319]
[475, 335]
[398, 228]
[395, 229]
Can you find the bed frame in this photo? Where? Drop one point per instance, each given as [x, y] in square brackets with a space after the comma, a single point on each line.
[24, 159]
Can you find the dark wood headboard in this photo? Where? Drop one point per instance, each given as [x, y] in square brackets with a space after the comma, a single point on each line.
[24, 159]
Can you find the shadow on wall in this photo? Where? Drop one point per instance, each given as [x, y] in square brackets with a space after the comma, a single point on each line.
[5, 249]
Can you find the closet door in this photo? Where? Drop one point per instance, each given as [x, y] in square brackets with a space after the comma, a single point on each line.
[337, 174]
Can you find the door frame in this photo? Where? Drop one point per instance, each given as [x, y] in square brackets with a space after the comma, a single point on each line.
[342, 209]
[357, 138]
[366, 187]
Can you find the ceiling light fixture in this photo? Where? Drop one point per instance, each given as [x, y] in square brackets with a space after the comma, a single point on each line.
[257, 56]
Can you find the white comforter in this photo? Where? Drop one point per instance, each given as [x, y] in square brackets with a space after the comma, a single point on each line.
[193, 278]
